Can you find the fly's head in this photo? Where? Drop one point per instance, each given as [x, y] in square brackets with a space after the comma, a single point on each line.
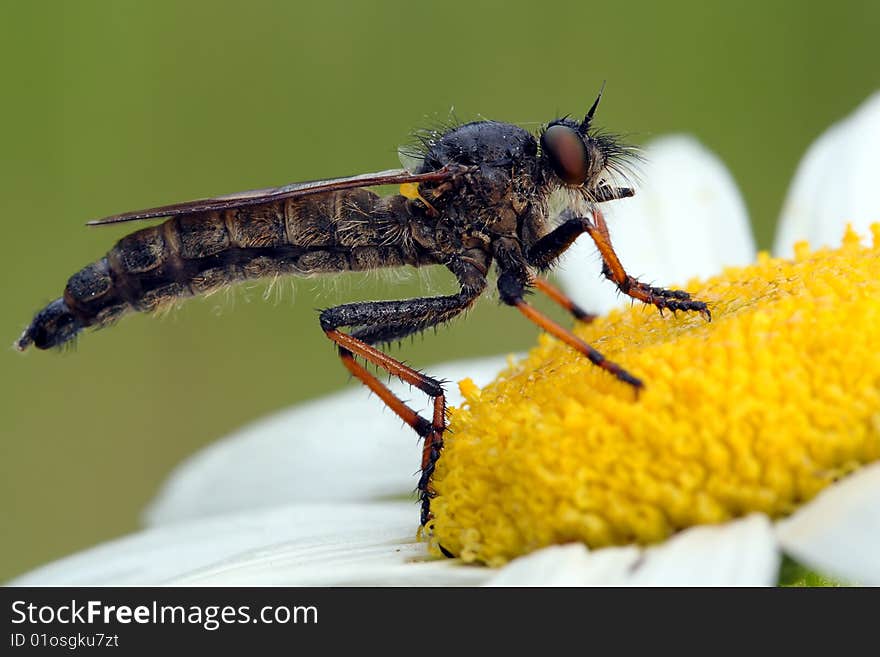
[512, 175]
[581, 158]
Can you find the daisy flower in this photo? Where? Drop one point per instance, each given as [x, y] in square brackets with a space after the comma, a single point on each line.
[757, 435]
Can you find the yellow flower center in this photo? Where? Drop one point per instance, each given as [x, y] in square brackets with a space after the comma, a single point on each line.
[758, 410]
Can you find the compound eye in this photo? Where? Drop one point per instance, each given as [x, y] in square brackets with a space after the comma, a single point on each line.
[567, 153]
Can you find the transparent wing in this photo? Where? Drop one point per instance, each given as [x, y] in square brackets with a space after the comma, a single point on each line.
[256, 196]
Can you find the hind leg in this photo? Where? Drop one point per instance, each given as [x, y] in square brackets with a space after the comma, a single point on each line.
[385, 321]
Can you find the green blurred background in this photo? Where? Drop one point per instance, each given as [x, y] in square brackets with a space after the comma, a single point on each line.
[110, 106]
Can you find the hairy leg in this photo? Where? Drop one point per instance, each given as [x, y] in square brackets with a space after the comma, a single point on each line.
[548, 249]
[383, 321]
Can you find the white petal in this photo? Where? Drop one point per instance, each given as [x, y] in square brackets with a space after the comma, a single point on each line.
[687, 219]
[835, 184]
[568, 565]
[838, 532]
[308, 544]
[738, 553]
[345, 446]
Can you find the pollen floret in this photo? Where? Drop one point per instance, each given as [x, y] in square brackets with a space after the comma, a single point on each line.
[775, 399]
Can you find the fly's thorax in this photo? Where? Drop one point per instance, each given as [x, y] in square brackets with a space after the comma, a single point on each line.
[486, 204]
[481, 143]
[501, 184]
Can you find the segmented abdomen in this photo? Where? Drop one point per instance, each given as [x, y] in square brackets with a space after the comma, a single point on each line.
[197, 253]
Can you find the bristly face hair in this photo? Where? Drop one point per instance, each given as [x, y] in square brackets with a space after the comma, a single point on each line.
[580, 154]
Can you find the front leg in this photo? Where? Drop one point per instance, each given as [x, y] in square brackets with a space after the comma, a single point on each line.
[613, 270]
[548, 249]
[544, 253]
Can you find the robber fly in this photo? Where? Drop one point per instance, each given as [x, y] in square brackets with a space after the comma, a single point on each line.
[480, 195]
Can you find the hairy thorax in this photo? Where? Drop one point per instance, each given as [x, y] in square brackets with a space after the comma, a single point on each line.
[496, 197]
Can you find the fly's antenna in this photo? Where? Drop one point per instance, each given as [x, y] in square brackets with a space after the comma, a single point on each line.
[585, 124]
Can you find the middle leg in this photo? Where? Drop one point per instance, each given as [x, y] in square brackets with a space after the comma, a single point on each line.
[562, 299]
[512, 287]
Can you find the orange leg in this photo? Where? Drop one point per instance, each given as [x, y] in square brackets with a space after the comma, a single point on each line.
[431, 430]
[614, 271]
[562, 299]
[384, 321]
[575, 342]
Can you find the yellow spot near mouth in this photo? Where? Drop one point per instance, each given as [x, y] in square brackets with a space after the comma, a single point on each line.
[411, 191]
[758, 411]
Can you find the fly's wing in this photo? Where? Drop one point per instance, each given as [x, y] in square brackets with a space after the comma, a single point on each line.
[256, 196]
